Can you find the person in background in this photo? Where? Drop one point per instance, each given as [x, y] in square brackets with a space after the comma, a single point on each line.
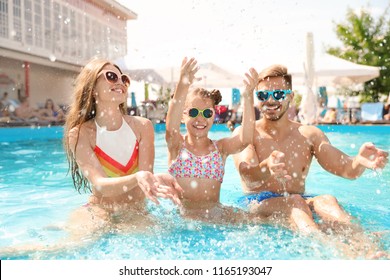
[386, 110]
[330, 116]
[51, 112]
[25, 112]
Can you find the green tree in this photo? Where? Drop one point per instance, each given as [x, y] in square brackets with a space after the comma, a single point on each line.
[366, 40]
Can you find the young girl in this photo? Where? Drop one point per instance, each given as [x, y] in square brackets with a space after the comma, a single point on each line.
[196, 161]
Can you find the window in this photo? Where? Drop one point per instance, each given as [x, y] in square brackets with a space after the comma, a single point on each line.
[65, 31]
[28, 27]
[56, 28]
[17, 21]
[48, 34]
[73, 34]
[4, 19]
[38, 38]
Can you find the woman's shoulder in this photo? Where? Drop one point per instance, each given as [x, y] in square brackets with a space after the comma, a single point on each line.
[138, 122]
[83, 129]
[82, 134]
[140, 126]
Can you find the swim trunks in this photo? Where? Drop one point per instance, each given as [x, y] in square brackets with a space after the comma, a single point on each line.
[259, 197]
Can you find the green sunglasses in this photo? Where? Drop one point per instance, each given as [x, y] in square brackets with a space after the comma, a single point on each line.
[206, 113]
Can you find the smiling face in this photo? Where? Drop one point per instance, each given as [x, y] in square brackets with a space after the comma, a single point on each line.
[107, 90]
[198, 126]
[272, 109]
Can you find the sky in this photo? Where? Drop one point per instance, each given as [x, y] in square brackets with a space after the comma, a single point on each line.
[235, 35]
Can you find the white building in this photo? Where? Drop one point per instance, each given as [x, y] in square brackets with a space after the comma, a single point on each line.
[44, 43]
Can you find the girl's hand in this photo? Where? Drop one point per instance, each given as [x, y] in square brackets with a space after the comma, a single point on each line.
[169, 188]
[148, 184]
[251, 81]
[188, 70]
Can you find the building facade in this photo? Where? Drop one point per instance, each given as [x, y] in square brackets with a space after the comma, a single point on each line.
[44, 43]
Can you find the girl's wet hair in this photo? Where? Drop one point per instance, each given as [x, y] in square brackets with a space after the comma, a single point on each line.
[214, 95]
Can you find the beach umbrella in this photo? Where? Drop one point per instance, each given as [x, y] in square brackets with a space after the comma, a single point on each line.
[308, 110]
[212, 76]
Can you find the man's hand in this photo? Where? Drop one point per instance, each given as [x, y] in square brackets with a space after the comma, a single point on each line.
[276, 166]
[371, 157]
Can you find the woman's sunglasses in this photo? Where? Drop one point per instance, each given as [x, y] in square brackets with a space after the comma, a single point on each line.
[277, 94]
[206, 113]
[112, 77]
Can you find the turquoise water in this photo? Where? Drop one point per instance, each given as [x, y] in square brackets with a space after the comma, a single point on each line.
[35, 192]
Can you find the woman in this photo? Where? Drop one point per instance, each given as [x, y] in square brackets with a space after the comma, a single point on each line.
[111, 154]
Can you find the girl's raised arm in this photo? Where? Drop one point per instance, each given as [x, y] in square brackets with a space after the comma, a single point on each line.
[176, 105]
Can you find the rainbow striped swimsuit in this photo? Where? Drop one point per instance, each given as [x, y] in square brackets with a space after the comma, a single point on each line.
[117, 150]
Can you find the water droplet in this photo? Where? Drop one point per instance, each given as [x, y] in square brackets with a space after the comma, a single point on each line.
[52, 58]
[194, 184]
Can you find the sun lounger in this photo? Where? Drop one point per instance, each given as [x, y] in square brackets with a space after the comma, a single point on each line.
[371, 112]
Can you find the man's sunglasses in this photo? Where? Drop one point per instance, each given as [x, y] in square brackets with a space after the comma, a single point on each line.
[206, 113]
[277, 94]
[112, 77]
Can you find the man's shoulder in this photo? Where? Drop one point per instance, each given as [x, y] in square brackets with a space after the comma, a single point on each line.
[312, 129]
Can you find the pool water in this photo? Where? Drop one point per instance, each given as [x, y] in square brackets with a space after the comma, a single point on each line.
[36, 193]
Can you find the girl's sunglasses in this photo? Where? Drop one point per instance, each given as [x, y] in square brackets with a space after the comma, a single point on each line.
[206, 113]
[277, 94]
[112, 77]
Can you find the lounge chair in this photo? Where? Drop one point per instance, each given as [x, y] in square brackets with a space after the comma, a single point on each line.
[371, 112]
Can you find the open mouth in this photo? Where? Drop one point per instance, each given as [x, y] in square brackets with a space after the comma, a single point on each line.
[272, 108]
[118, 90]
[199, 126]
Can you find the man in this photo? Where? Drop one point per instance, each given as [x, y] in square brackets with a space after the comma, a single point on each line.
[273, 170]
